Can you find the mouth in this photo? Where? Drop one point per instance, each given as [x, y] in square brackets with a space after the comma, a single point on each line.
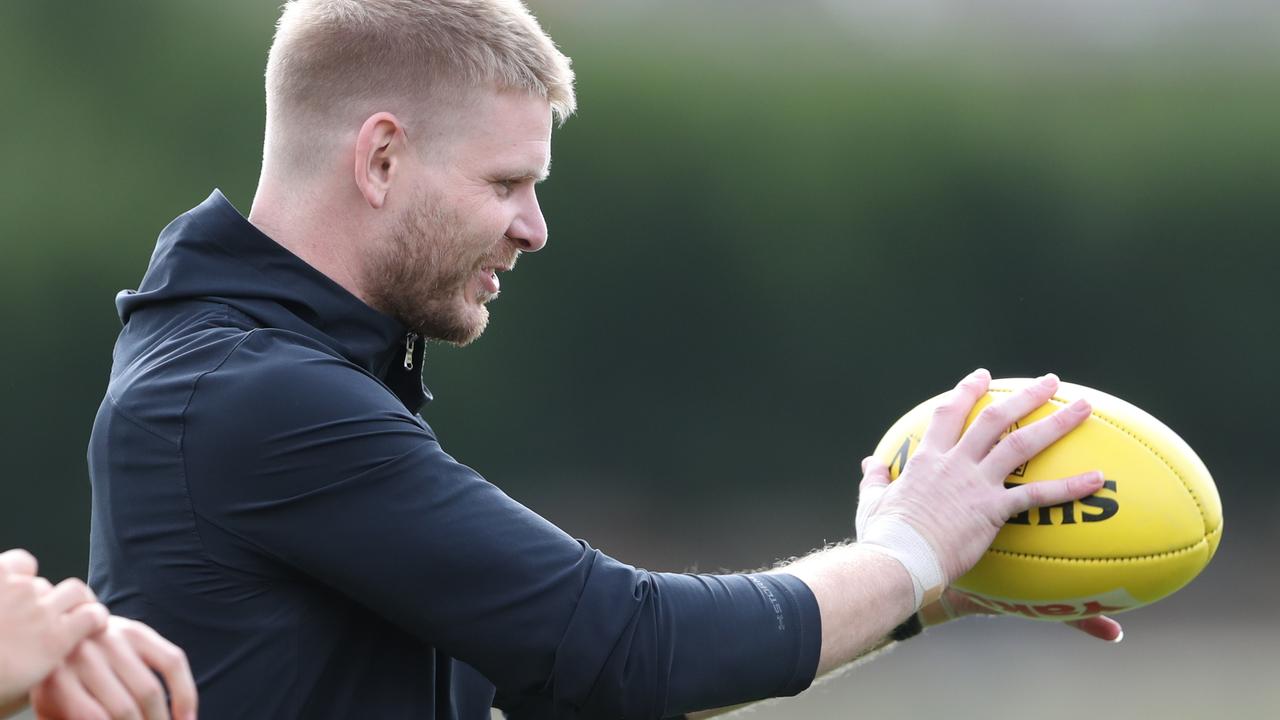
[488, 275]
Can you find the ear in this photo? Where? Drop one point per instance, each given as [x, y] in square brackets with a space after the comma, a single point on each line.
[381, 151]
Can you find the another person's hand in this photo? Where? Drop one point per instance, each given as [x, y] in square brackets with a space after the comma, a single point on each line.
[951, 492]
[111, 675]
[39, 625]
[954, 604]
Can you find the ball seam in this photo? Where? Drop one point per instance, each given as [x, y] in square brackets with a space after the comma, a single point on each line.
[1122, 559]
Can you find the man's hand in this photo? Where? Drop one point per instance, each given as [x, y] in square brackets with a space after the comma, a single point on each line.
[39, 625]
[929, 527]
[952, 492]
[110, 675]
[954, 604]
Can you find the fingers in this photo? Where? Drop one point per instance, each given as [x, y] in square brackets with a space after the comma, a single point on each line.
[137, 678]
[997, 417]
[18, 562]
[1025, 443]
[92, 667]
[167, 659]
[1051, 492]
[1101, 627]
[950, 415]
[111, 675]
[68, 594]
[62, 695]
[83, 621]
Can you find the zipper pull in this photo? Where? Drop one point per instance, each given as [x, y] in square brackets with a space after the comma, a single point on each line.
[409, 341]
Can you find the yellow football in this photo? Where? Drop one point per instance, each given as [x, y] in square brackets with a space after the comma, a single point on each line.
[1151, 529]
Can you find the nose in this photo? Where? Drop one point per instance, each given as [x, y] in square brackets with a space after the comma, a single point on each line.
[528, 229]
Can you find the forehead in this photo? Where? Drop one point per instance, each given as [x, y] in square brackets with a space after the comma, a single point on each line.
[507, 128]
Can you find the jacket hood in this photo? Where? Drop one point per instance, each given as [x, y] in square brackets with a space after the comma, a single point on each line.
[212, 253]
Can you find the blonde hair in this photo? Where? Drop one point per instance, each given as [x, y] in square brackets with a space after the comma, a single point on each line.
[334, 62]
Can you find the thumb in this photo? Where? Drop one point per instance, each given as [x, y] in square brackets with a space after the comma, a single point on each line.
[874, 473]
[875, 481]
[83, 621]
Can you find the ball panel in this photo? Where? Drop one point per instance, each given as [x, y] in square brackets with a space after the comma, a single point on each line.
[1114, 585]
[1141, 511]
[1162, 441]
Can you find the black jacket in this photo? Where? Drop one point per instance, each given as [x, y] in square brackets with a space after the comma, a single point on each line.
[265, 495]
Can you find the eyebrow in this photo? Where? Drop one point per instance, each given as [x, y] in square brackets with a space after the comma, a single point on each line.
[537, 175]
[521, 175]
[542, 173]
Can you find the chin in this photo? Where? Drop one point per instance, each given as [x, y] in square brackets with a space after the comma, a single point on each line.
[465, 327]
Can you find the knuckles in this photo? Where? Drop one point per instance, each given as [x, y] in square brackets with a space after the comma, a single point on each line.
[151, 694]
[923, 458]
[80, 590]
[172, 659]
[1019, 444]
[994, 415]
[945, 410]
[1062, 421]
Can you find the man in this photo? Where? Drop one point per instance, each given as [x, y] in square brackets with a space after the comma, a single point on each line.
[58, 644]
[266, 494]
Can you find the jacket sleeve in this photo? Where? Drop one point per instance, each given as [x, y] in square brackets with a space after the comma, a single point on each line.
[317, 467]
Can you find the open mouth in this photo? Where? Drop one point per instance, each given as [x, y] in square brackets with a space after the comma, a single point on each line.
[489, 279]
[488, 275]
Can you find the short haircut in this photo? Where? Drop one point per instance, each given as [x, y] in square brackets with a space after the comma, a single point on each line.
[335, 59]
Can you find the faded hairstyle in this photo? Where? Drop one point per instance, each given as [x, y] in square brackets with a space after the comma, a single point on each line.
[335, 62]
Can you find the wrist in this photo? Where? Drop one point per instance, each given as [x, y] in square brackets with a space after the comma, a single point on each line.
[899, 540]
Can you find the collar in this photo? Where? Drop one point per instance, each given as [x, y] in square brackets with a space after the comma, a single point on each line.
[214, 253]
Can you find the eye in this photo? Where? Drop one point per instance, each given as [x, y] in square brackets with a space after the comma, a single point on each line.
[506, 186]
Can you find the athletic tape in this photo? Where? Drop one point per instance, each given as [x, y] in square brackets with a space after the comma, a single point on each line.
[897, 539]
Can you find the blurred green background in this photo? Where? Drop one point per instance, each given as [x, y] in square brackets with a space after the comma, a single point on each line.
[775, 228]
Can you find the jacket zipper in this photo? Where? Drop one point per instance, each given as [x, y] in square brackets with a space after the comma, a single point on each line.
[409, 341]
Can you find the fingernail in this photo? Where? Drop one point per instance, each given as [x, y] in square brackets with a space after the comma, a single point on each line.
[1080, 406]
[1119, 638]
[1047, 380]
[865, 460]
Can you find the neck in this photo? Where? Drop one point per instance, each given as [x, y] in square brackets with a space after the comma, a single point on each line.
[320, 233]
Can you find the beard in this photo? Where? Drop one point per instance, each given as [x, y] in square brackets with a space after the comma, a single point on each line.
[420, 274]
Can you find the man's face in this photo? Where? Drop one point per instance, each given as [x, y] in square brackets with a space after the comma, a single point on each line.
[472, 210]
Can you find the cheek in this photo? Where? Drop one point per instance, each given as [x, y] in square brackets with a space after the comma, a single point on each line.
[494, 225]
[494, 215]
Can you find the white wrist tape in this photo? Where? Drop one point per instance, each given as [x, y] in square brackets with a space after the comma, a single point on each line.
[897, 539]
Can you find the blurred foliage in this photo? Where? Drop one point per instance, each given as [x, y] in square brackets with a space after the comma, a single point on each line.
[769, 239]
